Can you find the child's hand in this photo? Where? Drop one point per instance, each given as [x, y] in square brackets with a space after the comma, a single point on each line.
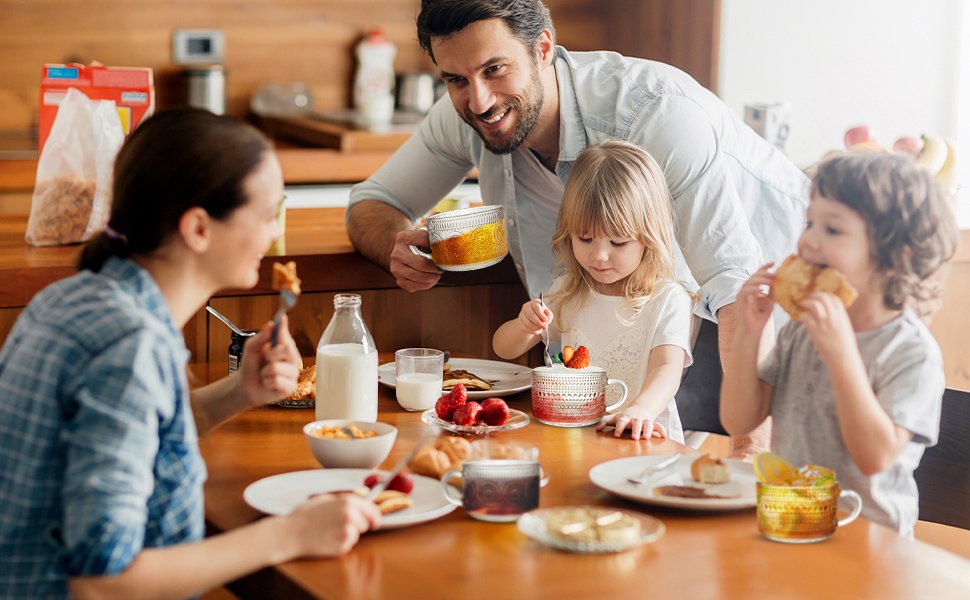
[827, 322]
[754, 302]
[535, 317]
[637, 419]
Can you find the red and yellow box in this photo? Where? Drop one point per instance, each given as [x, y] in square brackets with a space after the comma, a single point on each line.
[131, 88]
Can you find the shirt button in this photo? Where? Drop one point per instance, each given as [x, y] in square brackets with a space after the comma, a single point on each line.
[518, 266]
[508, 173]
[511, 223]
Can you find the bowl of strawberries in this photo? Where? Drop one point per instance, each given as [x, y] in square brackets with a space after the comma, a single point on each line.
[455, 412]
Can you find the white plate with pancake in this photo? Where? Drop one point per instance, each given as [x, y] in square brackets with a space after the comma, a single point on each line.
[280, 494]
[506, 378]
[740, 492]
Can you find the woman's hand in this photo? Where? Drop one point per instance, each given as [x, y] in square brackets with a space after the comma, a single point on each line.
[754, 303]
[638, 419]
[827, 323]
[535, 317]
[270, 372]
[331, 524]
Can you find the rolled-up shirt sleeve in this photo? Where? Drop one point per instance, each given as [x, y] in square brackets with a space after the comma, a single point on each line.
[424, 169]
[112, 440]
[711, 225]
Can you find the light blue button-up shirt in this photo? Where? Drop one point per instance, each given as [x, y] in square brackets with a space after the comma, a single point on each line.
[737, 201]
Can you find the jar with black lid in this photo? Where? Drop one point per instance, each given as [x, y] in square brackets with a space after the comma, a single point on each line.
[236, 349]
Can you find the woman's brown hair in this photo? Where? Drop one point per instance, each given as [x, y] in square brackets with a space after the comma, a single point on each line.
[176, 160]
[911, 229]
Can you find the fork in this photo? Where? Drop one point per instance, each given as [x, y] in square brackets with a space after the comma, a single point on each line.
[287, 301]
[545, 340]
[654, 469]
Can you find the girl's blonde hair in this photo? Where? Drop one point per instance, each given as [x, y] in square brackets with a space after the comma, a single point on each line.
[616, 190]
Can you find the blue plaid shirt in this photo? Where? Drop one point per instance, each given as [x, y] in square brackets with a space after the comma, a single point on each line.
[99, 454]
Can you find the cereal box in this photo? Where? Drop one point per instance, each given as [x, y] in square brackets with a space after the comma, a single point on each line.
[132, 89]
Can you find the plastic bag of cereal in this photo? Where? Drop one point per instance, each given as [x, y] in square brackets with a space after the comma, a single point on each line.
[72, 196]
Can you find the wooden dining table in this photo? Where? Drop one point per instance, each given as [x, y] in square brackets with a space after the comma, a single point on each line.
[703, 554]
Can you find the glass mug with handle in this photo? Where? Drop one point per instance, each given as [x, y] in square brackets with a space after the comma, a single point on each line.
[572, 397]
[466, 239]
[802, 514]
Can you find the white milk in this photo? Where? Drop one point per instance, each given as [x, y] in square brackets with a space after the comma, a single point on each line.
[418, 391]
[346, 383]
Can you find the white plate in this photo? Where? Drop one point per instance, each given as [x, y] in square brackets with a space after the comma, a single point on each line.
[611, 476]
[509, 378]
[534, 525]
[517, 420]
[281, 494]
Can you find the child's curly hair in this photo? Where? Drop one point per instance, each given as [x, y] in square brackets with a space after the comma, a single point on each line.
[911, 229]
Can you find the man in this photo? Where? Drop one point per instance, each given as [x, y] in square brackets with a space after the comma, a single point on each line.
[520, 110]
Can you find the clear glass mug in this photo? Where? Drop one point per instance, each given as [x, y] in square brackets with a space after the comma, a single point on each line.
[572, 399]
[802, 514]
[466, 239]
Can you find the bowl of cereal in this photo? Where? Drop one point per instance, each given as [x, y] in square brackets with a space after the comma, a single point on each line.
[342, 443]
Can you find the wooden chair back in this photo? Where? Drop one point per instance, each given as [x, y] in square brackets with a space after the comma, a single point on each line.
[943, 475]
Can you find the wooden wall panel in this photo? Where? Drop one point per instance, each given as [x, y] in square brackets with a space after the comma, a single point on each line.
[266, 40]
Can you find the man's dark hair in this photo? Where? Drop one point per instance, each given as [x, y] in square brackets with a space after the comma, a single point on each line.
[526, 19]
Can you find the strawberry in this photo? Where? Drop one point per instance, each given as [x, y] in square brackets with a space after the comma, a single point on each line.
[495, 411]
[567, 355]
[467, 413]
[447, 404]
[580, 359]
[402, 482]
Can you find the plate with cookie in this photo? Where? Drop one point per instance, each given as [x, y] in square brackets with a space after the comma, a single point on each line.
[482, 378]
[280, 494]
[695, 483]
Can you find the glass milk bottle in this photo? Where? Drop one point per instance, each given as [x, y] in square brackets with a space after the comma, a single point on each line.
[347, 365]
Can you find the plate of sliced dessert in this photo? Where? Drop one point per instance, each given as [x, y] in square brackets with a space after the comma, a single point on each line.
[590, 529]
[482, 378]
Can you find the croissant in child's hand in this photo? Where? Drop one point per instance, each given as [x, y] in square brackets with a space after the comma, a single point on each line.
[796, 280]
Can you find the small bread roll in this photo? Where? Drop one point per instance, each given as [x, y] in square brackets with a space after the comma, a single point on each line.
[430, 462]
[708, 469]
[795, 280]
[458, 449]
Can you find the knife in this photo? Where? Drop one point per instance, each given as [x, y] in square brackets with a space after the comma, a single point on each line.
[382, 484]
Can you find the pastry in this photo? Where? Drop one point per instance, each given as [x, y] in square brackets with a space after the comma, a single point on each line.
[430, 462]
[452, 377]
[284, 277]
[306, 385]
[708, 469]
[587, 525]
[795, 280]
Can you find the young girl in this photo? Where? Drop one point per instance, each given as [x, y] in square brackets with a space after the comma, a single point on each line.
[856, 390]
[618, 296]
[100, 471]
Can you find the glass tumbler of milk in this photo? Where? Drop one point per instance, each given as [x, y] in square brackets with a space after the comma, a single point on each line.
[347, 365]
[418, 373]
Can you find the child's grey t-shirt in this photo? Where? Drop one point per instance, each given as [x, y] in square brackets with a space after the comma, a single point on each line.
[905, 370]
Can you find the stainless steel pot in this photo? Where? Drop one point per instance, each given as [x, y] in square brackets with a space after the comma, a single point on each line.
[206, 88]
[416, 92]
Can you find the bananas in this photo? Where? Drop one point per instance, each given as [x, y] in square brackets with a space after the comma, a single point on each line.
[947, 177]
[933, 156]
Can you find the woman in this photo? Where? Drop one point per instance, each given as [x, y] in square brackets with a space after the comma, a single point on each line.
[100, 472]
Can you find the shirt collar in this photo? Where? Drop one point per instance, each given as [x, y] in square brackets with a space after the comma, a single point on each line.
[572, 134]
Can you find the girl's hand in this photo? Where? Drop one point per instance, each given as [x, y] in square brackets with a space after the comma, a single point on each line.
[270, 372]
[754, 301]
[330, 524]
[827, 322]
[534, 317]
[637, 419]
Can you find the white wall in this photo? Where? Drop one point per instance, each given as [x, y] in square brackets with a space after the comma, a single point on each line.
[891, 64]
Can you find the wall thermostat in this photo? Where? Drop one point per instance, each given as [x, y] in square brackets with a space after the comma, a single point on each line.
[198, 47]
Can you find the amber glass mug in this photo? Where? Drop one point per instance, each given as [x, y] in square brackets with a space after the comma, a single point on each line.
[802, 514]
[467, 239]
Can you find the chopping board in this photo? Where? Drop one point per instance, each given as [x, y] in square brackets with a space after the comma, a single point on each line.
[343, 135]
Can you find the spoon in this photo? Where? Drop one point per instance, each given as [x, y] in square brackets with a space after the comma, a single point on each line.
[231, 325]
[545, 340]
